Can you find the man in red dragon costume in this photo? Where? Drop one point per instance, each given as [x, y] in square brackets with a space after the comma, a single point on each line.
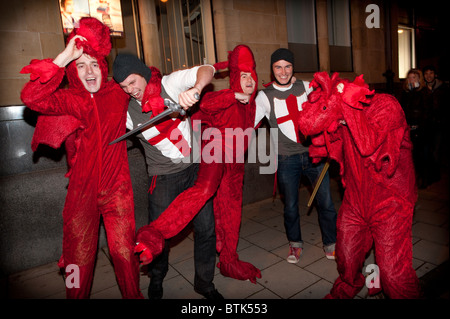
[86, 116]
[368, 136]
[221, 171]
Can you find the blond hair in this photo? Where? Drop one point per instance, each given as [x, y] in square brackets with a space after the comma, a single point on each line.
[421, 79]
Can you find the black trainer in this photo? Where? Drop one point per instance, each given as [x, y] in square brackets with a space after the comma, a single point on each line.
[212, 295]
[155, 292]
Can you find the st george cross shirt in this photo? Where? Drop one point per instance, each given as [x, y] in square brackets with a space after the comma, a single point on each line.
[168, 145]
[282, 107]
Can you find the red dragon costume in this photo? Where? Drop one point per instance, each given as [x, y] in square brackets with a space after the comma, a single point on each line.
[99, 177]
[223, 177]
[368, 136]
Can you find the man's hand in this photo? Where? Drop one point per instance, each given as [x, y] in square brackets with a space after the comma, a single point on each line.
[70, 53]
[242, 97]
[188, 98]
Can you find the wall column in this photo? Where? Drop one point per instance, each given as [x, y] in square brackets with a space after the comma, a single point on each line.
[322, 35]
[222, 10]
[149, 33]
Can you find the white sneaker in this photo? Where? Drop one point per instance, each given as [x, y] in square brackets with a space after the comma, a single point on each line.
[294, 253]
[330, 251]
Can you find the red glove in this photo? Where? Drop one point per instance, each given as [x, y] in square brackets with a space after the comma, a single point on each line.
[149, 244]
[41, 69]
[239, 270]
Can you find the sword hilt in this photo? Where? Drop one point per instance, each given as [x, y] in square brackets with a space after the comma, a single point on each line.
[171, 107]
[177, 107]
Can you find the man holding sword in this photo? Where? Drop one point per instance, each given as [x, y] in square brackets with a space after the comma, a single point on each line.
[221, 171]
[168, 143]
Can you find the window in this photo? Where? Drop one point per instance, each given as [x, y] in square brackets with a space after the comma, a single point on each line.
[406, 56]
[181, 33]
[302, 34]
[339, 36]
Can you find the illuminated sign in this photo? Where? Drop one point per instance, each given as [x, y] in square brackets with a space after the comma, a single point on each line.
[107, 11]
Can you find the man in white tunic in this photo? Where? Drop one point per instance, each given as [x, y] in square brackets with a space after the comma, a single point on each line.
[281, 103]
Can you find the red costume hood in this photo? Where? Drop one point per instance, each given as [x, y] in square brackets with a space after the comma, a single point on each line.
[54, 130]
[98, 45]
[240, 59]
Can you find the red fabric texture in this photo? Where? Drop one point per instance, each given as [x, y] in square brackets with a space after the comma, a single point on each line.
[367, 134]
[40, 69]
[152, 100]
[98, 44]
[152, 243]
[222, 178]
[100, 183]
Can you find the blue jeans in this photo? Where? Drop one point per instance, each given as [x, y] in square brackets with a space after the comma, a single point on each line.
[290, 170]
[166, 189]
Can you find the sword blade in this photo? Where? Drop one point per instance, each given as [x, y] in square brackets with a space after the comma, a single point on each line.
[143, 125]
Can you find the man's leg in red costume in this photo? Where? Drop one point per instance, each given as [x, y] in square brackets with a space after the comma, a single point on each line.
[80, 237]
[118, 218]
[353, 242]
[179, 213]
[393, 250]
[227, 212]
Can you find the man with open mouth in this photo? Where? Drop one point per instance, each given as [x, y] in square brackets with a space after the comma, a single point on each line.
[86, 116]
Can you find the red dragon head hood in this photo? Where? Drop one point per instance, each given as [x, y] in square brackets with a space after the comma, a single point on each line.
[240, 59]
[98, 45]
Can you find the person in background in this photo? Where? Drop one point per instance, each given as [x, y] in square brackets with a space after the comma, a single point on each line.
[68, 20]
[412, 101]
[436, 106]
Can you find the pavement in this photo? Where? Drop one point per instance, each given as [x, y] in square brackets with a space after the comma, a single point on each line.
[264, 244]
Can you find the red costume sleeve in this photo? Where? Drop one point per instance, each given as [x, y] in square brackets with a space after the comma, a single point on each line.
[212, 107]
[215, 102]
[43, 95]
[55, 124]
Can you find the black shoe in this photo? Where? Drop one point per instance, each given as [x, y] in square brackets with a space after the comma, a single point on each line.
[212, 295]
[155, 292]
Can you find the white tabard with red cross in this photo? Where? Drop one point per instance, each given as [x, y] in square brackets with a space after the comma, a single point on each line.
[282, 107]
[286, 113]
